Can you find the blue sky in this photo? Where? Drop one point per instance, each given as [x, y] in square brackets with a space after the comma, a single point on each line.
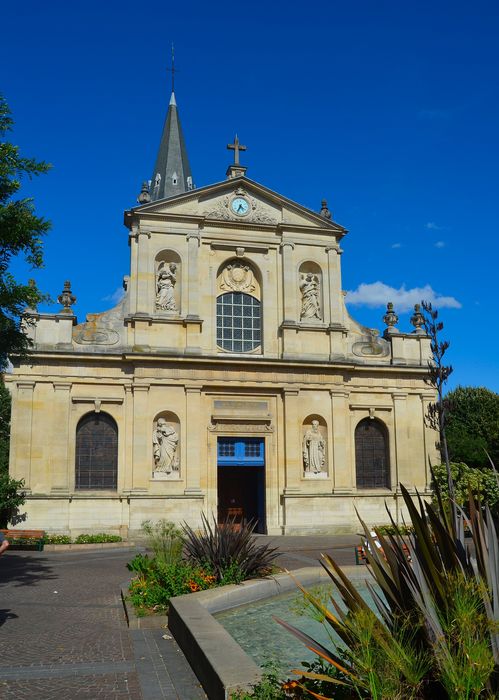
[389, 110]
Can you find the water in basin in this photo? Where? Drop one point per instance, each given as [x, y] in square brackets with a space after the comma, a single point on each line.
[255, 630]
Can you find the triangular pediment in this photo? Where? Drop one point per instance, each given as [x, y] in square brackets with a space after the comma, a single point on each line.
[242, 201]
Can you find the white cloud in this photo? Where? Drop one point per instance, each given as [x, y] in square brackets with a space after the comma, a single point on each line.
[378, 294]
[116, 296]
[432, 226]
[440, 244]
[396, 245]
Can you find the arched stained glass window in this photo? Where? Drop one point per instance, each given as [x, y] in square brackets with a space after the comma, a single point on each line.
[239, 325]
[371, 455]
[96, 452]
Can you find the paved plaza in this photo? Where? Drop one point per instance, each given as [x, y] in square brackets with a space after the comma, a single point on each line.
[64, 634]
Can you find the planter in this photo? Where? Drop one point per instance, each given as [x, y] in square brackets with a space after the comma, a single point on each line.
[136, 622]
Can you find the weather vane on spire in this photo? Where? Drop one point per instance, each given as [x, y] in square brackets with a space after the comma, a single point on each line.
[172, 69]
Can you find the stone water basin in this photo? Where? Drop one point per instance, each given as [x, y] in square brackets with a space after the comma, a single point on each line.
[264, 640]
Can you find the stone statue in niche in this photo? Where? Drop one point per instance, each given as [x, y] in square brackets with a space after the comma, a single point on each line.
[310, 292]
[165, 448]
[314, 450]
[165, 287]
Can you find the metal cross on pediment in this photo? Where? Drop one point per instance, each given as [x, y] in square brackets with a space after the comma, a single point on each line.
[236, 147]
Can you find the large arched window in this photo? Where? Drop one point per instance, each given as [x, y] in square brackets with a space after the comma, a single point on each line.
[96, 452]
[239, 325]
[371, 455]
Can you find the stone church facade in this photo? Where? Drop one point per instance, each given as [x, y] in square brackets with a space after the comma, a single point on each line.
[230, 379]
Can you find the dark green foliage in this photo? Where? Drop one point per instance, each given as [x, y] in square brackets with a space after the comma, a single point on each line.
[21, 233]
[97, 539]
[11, 498]
[473, 426]
[156, 582]
[436, 632]
[482, 483]
[57, 539]
[228, 549]
[5, 406]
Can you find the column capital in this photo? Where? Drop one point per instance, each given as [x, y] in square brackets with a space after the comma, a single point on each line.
[194, 235]
[399, 395]
[62, 386]
[290, 392]
[332, 249]
[339, 394]
[137, 388]
[283, 244]
[193, 389]
[25, 385]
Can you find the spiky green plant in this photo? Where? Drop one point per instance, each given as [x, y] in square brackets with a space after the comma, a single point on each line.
[227, 548]
[436, 632]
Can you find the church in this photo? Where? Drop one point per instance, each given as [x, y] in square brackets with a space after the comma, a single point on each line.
[230, 379]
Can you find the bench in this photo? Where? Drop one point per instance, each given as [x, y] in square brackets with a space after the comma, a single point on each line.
[23, 538]
[361, 556]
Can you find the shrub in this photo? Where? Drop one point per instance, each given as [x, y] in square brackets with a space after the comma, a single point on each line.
[436, 632]
[97, 539]
[165, 540]
[229, 550]
[156, 582]
[482, 483]
[57, 539]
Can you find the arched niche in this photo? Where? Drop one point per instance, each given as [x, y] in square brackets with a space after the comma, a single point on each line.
[314, 447]
[372, 461]
[166, 451]
[96, 454]
[239, 311]
[168, 282]
[310, 284]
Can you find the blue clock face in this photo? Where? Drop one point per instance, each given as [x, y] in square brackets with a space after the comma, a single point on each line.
[239, 206]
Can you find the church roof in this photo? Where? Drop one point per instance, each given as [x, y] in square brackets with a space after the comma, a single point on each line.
[172, 172]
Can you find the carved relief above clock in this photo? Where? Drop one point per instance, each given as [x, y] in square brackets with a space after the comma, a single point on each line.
[239, 206]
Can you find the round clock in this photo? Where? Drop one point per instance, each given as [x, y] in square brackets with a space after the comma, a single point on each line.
[239, 206]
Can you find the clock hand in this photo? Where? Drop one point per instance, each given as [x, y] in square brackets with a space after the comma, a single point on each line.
[240, 207]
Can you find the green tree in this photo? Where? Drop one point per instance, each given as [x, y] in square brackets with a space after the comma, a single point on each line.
[21, 232]
[473, 426]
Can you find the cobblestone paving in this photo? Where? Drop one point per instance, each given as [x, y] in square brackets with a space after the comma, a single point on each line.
[64, 636]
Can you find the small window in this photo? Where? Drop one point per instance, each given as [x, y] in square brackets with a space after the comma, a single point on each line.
[96, 452]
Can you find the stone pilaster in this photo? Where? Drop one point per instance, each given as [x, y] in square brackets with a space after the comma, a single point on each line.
[334, 278]
[142, 436]
[401, 471]
[127, 452]
[191, 462]
[292, 441]
[289, 282]
[144, 299]
[59, 444]
[21, 433]
[193, 243]
[430, 439]
[343, 463]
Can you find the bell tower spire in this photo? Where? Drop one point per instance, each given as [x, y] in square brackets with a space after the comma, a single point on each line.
[172, 172]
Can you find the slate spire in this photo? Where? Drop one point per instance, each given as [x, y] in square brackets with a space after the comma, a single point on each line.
[172, 172]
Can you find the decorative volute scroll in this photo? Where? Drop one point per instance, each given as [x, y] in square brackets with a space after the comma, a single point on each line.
[166, 447]
[314, 448]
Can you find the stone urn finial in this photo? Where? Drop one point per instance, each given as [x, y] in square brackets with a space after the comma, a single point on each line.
[390, 319]
[144, 196]
[324, 212]
[417, 319]
[66, 299]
